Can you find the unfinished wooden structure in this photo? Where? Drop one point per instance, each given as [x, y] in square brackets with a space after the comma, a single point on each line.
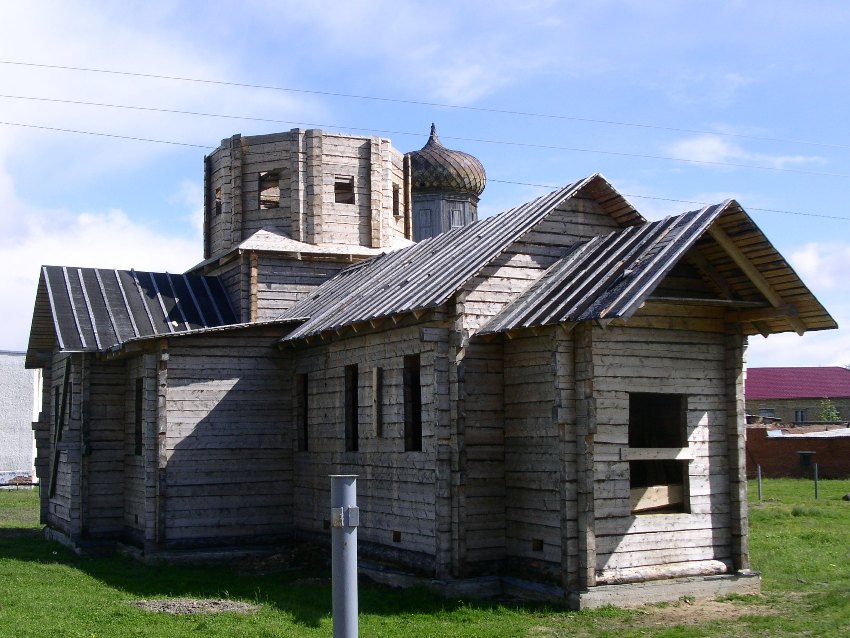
[551, 397]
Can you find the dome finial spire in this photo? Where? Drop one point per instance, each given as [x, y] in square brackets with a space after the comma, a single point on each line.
[434, 138]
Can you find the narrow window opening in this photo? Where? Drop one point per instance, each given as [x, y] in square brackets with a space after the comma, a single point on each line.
[218, 201]
[658, 428]
[396, 201]
[138, 421]
[536, 544]
[800, 416]
[351, 409]
[396, 536]
[412, 404]
[344, 190]
[378, 400]
[457, 218]
[269, 188]
[302, 411]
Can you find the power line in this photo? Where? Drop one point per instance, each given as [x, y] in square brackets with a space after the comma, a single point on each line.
[496, 181]
[683, 201]
[551, 147]
[479, 109]
[120, 137]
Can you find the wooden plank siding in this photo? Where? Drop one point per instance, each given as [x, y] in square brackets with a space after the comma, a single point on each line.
[653, 360]
[281, 282]
[227, 410]
[104, 441]
[533, 458]
[397, 490]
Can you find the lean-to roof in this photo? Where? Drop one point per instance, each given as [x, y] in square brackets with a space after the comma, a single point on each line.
[94, 309]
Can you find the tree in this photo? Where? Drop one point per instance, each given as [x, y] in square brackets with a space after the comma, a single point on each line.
[828, 411]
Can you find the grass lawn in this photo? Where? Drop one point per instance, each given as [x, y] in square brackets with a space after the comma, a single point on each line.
[801, 546]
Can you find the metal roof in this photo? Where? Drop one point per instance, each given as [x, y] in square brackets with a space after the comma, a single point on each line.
[605, 277]
[428, 273]
[93, 309]
[609, 277]
[797, 383]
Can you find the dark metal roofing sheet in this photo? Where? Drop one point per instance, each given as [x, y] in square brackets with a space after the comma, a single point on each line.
[606, 277]
[424, 275]
[98, 309]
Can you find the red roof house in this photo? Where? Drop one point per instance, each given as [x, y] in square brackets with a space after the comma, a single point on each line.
[797, 383]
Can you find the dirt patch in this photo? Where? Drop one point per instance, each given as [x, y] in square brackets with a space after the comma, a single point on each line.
[180, 606]
[685, 612]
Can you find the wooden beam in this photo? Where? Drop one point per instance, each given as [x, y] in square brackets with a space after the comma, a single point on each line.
[710, 272]
[759, 314]
[753, 273]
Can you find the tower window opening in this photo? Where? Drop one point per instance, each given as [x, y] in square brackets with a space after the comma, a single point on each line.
[396, 201]
[344, 190]
[269, 188]
[218, 201]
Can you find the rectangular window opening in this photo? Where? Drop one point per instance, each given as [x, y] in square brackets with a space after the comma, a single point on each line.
[396, 200]
[456, 218]
[351, 409]
[658, 427]
[344, 190]
[218, 201]
[800, 416]
[412, 404]
[302, 411]
[378, 400]
[138, 420]
[269, 188]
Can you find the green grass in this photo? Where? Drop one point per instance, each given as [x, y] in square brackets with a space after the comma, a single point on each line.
[799, 544]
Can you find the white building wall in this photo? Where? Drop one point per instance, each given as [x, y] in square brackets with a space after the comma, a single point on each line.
[18, 394]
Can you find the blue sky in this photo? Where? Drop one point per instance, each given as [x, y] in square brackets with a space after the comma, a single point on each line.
[755, 90]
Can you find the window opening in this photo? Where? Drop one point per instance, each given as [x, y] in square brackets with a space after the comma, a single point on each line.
[378, 400]
[768, 412]
[658, 432]
[800, 416]
[302, 407]
[457, 218]
[344, 190]
[396, 201]
[218, 201]
[138, 420]
[412, 404]
[351, 409]
[269, 187]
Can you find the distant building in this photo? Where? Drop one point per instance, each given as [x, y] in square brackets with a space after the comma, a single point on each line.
[794, 395]
[19, 388]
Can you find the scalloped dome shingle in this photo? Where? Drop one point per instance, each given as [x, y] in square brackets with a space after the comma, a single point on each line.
[437, 168]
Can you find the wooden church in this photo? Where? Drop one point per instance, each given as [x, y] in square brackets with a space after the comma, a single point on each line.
[549, 399]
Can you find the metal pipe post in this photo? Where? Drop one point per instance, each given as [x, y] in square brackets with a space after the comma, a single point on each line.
[345, 517]
[758, 469]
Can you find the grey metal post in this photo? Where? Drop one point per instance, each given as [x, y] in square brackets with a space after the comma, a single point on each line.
[345, 517]
[758, 469]
[816, 481]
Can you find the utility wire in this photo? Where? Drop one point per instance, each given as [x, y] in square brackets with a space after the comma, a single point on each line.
[682, 201]
[780, 169]
[479, 109]
[496, 181]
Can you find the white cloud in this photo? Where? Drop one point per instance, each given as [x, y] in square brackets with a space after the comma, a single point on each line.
[33, 237]
[822, 266]
[714, 148]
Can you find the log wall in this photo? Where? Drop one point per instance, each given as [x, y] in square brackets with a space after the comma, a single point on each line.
[396, 488]
[689, 362]
[226, 459]
[103, 461]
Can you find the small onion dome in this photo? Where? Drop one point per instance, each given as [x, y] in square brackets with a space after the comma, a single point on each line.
[437, 168]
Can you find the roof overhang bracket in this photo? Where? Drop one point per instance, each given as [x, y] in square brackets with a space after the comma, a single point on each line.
[753, 273]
